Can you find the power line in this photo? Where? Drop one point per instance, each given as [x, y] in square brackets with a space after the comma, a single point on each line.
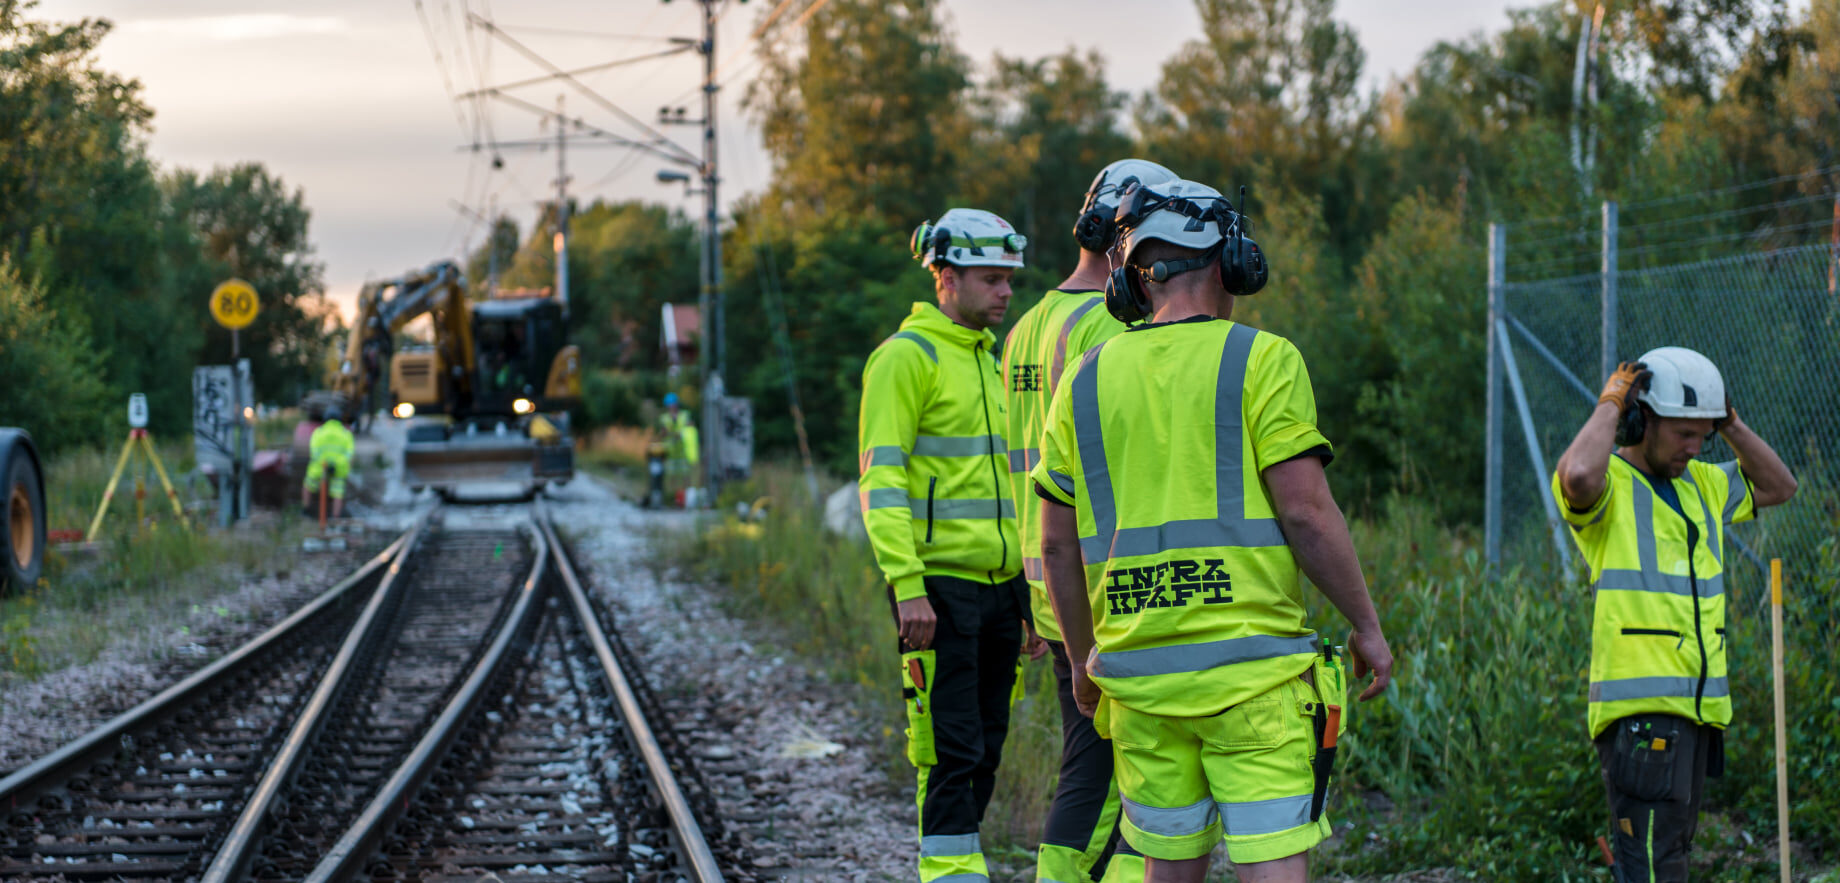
[593, 68]
[447, 82]
[590, 94]
[587, 35]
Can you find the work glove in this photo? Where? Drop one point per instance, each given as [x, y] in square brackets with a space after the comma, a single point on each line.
[1628, 379]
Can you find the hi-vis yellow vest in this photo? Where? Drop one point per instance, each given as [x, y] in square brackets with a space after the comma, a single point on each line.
[1158, 440]
[1050, 337]
[1658, 577]
[934, 465]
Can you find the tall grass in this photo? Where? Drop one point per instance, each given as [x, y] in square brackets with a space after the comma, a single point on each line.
[139, 576]
[1476, 761]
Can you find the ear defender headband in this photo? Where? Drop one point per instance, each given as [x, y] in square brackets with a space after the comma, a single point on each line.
[1243, 270]
[939, 240]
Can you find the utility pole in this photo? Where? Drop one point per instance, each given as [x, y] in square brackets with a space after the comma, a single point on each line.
[712, 356]
[562, 209]
[711, 233]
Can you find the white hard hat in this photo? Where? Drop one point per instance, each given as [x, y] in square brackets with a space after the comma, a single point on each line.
[1178, 212]
[1115, 178]
[969, 237]
[1684, 384]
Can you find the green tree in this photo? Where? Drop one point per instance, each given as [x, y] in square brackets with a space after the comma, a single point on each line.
[50, 376]
[1271, 85]
[1047, 127]
[862, 112]
[247, 224]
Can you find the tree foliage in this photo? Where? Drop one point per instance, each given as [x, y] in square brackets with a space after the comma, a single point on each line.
[121, 260]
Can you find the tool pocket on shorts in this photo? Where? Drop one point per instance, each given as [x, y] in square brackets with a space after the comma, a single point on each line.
[1255, 723]
[917, 698]
[1643, 759]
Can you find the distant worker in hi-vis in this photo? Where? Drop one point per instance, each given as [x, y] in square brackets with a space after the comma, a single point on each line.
[936, 502]
[683, 445]
[329, 461]
[1183, 474]
[1079, 841]
[1659, 695]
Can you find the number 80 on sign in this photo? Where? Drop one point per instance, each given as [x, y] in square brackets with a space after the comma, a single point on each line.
[234, 304]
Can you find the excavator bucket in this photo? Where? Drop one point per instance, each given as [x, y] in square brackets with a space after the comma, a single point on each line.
[447, 464]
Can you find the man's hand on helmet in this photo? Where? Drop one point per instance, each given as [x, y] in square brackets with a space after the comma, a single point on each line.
[1625, 382]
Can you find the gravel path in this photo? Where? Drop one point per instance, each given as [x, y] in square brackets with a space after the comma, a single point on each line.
[38, 716]
[790, 762]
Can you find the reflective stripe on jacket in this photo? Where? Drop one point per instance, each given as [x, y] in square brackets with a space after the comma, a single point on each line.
[1158, 439]
[1658, 581]
[933, 461]
[1050, 336]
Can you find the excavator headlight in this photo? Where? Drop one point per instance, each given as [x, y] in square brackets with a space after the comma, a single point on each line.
[523, 406]
[403, 411]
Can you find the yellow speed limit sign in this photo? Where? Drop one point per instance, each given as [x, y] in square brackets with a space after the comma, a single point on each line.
[233, 304]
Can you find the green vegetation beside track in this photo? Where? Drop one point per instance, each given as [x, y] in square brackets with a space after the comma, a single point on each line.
[1474, 766]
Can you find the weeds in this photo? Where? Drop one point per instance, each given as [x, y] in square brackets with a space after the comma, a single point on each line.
[138, 574]
[1476, 761]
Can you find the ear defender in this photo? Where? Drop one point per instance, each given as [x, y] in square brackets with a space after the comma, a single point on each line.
[930, 238]
[1095, 231]
[1631, 426]
[1124, 296]
[922, 239]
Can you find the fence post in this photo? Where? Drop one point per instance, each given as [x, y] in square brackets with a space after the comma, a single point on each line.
[1607, 357]
[1491, 518]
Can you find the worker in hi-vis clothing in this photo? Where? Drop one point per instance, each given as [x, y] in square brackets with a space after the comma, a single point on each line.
[329, 453]
[683, 445]
[936, 502]
[1650, 520]
[1183, 475]
[1079, 841]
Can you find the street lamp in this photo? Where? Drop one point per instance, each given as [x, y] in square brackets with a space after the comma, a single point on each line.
[672, 176]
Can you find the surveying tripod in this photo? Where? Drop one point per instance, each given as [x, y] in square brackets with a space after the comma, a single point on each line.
[136, 438]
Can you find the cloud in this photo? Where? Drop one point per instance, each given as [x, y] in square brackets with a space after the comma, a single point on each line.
[233, 28]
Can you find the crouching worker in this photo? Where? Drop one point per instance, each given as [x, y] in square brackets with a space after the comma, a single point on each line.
[330, 461]
[939, 515]
[1183, 473]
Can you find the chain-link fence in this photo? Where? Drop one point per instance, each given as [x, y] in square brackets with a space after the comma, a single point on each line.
[1769, 318]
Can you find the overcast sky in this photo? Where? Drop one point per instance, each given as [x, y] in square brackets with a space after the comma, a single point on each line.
[344, 97]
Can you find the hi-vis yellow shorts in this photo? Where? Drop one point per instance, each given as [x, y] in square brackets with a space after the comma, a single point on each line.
[1245, 774]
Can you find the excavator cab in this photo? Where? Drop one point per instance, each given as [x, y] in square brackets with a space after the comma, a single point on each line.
[520, 345]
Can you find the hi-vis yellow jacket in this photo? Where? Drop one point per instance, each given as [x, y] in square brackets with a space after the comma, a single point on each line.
[1048, 339]
[935, 490]
[1658, 581]
[1159, 438]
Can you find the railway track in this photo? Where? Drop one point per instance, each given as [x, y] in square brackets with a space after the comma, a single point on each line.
[456, 707]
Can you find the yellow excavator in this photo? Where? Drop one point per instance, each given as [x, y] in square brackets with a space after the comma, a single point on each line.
[487, 400]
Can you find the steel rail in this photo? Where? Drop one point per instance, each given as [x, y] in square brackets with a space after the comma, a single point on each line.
[693, 847]
[47, 772]
[347, 859]
[244, 840]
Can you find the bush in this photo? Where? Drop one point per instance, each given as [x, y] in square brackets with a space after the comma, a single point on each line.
[1477, 760]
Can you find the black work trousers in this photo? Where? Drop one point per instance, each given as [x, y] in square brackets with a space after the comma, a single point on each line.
[975, 646]
[1082, 823]
[1655, 768]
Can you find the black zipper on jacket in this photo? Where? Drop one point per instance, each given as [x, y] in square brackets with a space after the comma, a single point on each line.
[990, 448]
[1699, 636]
[931, 483]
